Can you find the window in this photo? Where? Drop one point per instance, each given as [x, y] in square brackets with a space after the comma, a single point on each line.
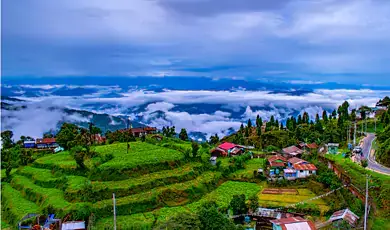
[301, 171]
[310, 172]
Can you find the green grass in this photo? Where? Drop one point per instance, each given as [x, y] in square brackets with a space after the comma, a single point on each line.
[282, 200]
[42, 177]
[3, 173]
[42, 196]
[250, 166]
[225, 192]
[147, 178]
[14, 205]
[61, 160]
[139, 153]
[135, 221]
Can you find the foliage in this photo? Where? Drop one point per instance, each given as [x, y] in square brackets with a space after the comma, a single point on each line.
[195, 148]
[78, 153]
[183, 220]
[120, 136]
[211, 218]
[364, 163]
[9, 159]
[214, 139]
[136, 222]
[183, 134]
[238, 204]
[253, 203]
[67, 135]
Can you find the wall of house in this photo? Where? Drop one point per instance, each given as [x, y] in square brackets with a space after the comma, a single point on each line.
[305, 173]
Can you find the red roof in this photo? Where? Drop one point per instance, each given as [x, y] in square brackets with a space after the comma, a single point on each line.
[312, 146]
[296, 160]
[292, 150]
[277, 164]
[304, 167]
[276, 157]
[46, 141]
[227, 145]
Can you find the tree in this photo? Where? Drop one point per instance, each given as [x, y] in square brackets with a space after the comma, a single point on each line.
[325, 116]
[78, 153]
[364, 110]
[211, 219]
[258, 130]
[253, 203]
[26, 156]
[214, 139]
[67, 134]
[183, 220]
[6, 139]
[195, 148]
[183, 134]
[364, 163]
[259, 121]
[242, 128]
[272, 121]
[247, 132]
[238, 204]
[353, 115]
[9, 158]
[299, 119]
[249, 124]
[305, 118]
[384, 102]
[334, 114]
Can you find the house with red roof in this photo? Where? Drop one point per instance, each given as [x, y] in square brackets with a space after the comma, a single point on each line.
[42, 143]
[228, 149]
[298, 168]
[292, 223]
[277, 164]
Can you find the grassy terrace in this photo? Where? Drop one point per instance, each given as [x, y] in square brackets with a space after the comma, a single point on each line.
[252, 165]
[139, 153]
[222, 196]
[282, 200]
[15, 204]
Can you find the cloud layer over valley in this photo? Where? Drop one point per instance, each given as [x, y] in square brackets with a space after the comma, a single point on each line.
[199, 111]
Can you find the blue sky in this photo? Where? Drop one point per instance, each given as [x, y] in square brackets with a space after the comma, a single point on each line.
[288, 40]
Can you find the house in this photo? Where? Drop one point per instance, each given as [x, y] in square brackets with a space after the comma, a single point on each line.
[292, 223]
[99, 139]
[157, 137]
[309, 147]
[138, 132]
[346, 215]
[277, 164]
[227, 149]
[298, 168]
[29, 144]
[46, 143]
[73, 225]
[333, 148]
[292, 151]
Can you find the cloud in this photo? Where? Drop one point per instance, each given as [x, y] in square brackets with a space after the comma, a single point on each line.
[182, 38]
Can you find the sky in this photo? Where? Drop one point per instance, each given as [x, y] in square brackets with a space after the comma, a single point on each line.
[299, 41]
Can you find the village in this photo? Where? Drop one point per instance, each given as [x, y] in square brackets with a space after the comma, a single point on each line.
[295, 186]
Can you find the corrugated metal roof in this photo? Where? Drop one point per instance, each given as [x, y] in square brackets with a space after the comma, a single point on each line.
[345, 214]
[46, 141]
[304, 167]
[276, 157]
[227, 145]
[296, 160]
[294, 150]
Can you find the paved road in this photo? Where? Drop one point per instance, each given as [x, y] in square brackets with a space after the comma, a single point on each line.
[372, 164]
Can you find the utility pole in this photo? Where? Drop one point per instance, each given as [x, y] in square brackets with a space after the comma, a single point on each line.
[354, 135]
[366, 205]
[113, 200]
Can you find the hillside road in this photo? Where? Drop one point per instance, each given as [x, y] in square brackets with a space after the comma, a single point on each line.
[370, 156]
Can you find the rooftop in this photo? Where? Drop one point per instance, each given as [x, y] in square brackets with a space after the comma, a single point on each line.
[345, 214]
[226, 146]
[304, 167]
[293, 150]
[294, 223]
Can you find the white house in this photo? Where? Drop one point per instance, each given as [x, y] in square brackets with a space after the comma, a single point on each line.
[298, 168]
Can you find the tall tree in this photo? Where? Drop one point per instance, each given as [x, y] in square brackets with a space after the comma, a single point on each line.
[305, 118]
[214, 139]
[183, 134]
[253, 203]
[259, 121]
[238, 204]
[6, 139]
[299, 120]
[249, 124]
[325, 116]
[353, 115]
[334, 114]
[67, 135]
[272, 121]
[9, 157]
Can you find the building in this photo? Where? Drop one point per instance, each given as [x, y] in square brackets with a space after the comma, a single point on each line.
[228, 149]
[277, 164]
[73, 225]
[292, 151]
[292, 223]
[333, 148]
[46, 143]
[99, 139]
[298, 168]
[346, 215]
[29, 144]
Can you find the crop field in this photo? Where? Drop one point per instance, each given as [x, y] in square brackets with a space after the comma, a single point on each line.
[284, 199]
[61, 160]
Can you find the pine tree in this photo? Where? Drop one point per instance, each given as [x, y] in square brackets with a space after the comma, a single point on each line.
[276, 124]
[299, 119]
[272, 121]
[325, 116]
[249, 124]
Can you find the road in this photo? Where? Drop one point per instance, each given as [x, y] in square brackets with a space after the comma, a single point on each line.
[372, 164]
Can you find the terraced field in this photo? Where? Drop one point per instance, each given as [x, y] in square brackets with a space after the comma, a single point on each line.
[281, 200]
[50, 185]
